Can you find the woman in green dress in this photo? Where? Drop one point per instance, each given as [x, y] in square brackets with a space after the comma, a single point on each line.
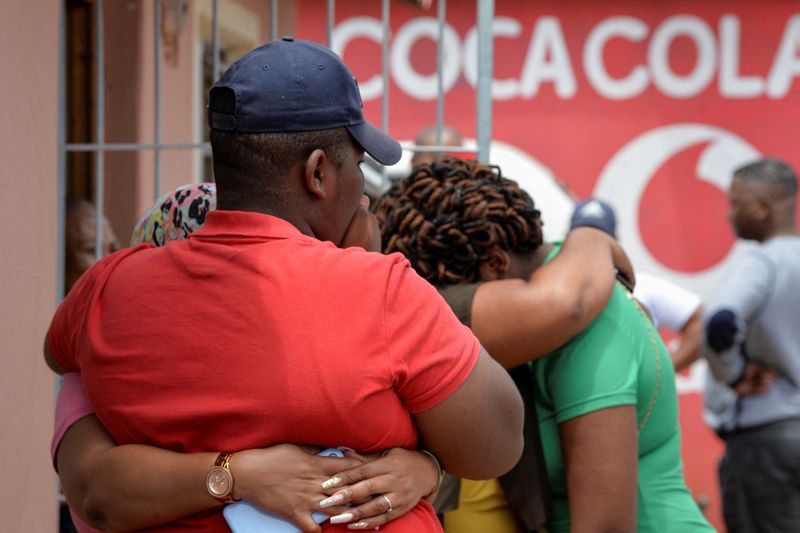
[606, 401]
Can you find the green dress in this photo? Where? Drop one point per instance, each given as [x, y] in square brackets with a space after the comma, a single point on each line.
[619, 360]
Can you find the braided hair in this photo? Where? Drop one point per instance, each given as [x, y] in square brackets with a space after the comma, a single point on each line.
[446, 216]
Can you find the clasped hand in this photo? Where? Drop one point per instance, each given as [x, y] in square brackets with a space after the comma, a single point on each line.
[287, 480]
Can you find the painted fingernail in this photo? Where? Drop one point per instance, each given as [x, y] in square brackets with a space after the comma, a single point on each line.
[342, 518]
[358, 525]
[331, 483]
[333, 500]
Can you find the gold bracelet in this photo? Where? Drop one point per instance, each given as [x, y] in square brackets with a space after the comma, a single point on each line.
[438, 468]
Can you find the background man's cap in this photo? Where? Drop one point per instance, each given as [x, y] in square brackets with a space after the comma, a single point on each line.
[596, 214]
[293, 85]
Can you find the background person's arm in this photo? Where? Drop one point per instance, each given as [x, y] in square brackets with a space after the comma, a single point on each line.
[518, 320]
[601, 456]
[688, 350]
[677, 309]
[736, 301]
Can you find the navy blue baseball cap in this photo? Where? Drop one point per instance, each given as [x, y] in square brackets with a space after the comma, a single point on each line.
[293, 85]
[596, 214]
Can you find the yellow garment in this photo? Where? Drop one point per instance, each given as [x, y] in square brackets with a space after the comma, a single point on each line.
[482, 508]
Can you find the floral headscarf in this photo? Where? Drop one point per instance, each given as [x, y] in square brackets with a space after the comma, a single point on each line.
[176, 215]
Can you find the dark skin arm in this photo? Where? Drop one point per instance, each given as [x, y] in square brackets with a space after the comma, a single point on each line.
[112, 487]
[482, 418]
[689, 349]
[87, 451]
[601, 456]
[558, 301]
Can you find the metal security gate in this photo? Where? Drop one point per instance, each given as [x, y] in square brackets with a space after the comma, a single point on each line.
[99, 147]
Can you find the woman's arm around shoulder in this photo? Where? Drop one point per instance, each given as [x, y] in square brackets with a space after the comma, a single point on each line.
[519, 320]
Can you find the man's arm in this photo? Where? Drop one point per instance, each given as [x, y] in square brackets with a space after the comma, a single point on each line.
[476, 432]
[736, 301]
[519, 320]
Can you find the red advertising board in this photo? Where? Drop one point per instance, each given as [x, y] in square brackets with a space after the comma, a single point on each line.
[649, 105]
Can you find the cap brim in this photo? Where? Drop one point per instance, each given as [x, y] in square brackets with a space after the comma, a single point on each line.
[376, 143]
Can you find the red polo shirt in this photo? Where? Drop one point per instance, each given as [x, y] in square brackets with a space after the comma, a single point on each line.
[250, 333]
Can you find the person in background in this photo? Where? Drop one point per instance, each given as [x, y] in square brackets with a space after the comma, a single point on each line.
[81, 229]
[268, 316]
[460, 222]
[142, 486]
[752, 344]
[669, 305]
[427, 137]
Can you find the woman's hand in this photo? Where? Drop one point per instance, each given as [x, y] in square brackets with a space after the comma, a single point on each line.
[286, 480]
[382, 489]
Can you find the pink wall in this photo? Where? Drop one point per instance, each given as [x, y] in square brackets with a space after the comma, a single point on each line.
[29, 40]
[130, 65]
[178, 105]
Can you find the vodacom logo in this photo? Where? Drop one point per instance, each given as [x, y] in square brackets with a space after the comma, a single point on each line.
[708, 154]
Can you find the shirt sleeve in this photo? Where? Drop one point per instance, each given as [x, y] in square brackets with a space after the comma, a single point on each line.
[69, 322]
[430, 352]
[595, 371]
[736, 301]
[67, 327]
[670, 305]
[460, 297]
[71, 405]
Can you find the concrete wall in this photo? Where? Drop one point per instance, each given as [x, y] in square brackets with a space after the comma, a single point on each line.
[29, 41]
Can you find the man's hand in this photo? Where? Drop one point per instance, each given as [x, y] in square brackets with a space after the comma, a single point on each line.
[756, 380]
[363, 230]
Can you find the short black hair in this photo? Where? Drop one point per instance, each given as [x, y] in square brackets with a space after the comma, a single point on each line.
[776, 174]
[252, 167]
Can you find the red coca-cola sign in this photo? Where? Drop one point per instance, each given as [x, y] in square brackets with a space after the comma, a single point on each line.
[649, 105]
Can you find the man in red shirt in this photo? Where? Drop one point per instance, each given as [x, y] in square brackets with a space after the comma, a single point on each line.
[258, 329]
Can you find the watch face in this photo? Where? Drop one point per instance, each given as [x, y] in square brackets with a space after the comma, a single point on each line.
[218, 482]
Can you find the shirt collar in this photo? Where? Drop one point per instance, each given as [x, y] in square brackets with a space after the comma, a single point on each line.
[246, 224]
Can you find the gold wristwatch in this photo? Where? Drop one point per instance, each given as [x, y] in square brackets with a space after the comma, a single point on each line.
[219, 480]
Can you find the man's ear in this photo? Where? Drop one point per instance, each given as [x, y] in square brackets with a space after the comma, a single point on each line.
[318, 177]
[495, 265]
[762, 210]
